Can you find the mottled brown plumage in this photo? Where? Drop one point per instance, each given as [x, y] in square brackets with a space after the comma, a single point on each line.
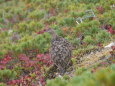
[61, 51]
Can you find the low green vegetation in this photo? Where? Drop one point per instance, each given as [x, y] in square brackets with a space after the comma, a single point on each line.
[25, 52]
[86, 78]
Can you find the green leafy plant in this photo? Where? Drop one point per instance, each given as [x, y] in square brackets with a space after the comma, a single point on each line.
[69, 21]
[88, 1]
[2, 84]
[86, 78]
[103, 36]
[37, 14]
[7, 74]
[88, 40]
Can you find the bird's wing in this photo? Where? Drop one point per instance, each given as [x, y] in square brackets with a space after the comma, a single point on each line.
[67, 43]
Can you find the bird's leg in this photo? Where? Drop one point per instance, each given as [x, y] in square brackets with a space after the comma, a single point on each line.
[62, 71]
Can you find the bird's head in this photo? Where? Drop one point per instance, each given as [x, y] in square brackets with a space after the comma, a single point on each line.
[51, 32]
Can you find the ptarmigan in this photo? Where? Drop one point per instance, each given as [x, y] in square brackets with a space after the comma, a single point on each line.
[60, 51]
